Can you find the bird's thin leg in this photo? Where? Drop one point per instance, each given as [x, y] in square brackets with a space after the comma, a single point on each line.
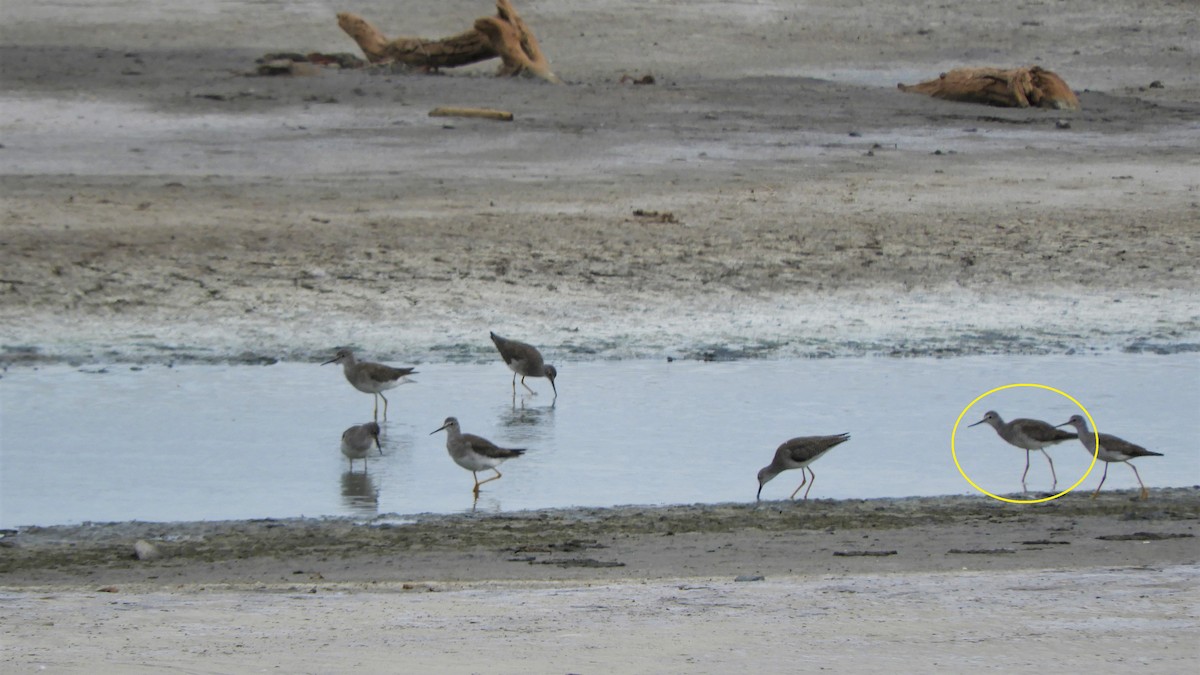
[384, 405]
[496, 477]
[1026, 472]
[1052, 474]
[375, 413]
[810, 482]
[802, 482]
[476, 476]
[531, 392]
[1145, 492]
[1102, 477]
[514, 383]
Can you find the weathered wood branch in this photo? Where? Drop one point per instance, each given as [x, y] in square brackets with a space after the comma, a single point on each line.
[505, 35]
[1012, 88]
[457, 50]
[481, 113]
[512, 38]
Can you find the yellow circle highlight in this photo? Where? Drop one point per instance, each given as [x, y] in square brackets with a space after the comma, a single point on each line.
[1095, 451]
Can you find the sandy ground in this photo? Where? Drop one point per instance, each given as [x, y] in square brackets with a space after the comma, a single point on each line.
[157, 204]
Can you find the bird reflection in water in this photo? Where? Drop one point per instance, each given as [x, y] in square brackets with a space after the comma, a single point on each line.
[359, 493]
[522, 415]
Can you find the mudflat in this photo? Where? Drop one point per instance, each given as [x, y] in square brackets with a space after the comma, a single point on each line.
[161, 204]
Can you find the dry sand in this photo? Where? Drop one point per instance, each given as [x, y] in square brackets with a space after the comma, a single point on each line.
[159, 205]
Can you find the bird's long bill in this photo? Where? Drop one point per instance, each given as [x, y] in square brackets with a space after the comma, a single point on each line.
[333, 360]
[553, 387]
[758, 497]
[438, 429]
[1062, 425]
[377, 445]
[976, 424]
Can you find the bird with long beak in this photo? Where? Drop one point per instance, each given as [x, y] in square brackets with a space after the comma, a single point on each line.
[357, 442]
[524, 360]
[798, 453]
[1111, 449]
[475, 453]
[1028, 435]
[370, 378]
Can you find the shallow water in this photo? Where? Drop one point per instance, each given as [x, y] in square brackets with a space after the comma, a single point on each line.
[225, 442]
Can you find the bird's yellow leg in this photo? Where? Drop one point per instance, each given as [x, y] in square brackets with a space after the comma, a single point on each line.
[496, 477]
[1102, 477]
[1052, 474]
[1145, 492]
[802, 482]
[1026, 472]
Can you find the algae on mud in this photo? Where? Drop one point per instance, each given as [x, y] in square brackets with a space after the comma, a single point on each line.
[649, 542]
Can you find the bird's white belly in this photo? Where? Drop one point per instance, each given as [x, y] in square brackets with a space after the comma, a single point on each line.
[474, 462]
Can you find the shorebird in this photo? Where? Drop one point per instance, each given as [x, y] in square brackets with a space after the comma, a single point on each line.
[370, 378]
[524, 360]
[1027, 435]
[1112, 449]
[798, 453]
[475, 453]
[357, 441]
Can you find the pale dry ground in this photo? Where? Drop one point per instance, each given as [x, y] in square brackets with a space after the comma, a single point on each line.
[1093, 620]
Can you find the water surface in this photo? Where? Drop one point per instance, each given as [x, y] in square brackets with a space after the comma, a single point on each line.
[227, 442]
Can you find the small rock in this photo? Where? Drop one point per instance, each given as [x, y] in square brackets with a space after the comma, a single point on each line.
[741, 578]
[1062, 124]
[1157, 84]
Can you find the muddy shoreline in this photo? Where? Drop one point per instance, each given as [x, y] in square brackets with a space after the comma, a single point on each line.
[771, 538]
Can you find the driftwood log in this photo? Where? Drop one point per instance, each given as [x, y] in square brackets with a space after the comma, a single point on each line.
[1027, 87]
[505, 35]
[480, 113]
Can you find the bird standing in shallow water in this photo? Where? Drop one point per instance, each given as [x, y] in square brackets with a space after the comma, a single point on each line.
[370, 378]
[1027, 435]
[1112, 449]
[357, 441]
[475, 453]
[524, 360]
[798, 453]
